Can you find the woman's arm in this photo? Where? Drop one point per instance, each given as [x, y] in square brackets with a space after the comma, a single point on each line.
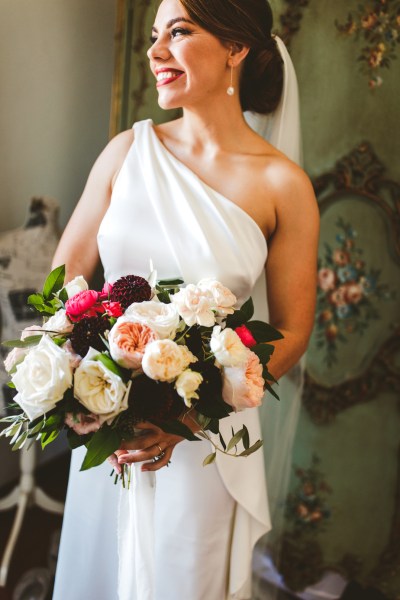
[77, 248]
[291, 267]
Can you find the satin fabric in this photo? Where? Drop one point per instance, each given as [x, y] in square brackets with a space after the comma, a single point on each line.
[160, 210]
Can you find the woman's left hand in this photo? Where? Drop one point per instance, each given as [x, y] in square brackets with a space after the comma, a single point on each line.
[148, 446]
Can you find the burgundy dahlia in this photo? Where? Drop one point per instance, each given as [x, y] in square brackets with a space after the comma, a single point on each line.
[129, 289]
[87, 334]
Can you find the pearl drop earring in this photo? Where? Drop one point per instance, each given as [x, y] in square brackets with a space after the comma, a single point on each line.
[231, 90]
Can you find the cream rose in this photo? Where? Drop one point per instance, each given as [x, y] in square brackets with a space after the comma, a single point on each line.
[59, 323]
[222, 298]
[187, 385]
[128, 342]
[78, 284]
[243, 387]
[99, 389]
[195, 306]
[42, 378]
[161, 318]
[164, 360]
[227, 347]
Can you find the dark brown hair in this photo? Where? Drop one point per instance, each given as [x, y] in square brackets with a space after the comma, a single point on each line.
[246, 22]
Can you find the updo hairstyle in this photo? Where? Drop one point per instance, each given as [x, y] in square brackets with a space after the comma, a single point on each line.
[246, 22]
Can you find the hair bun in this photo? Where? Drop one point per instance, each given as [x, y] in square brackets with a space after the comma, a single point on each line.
[262, 79]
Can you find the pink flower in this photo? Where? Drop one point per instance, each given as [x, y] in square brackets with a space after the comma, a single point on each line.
[339, 297]
[128, 342]
[82, 424]
[246, 336]
[243, 387]
[74, 358]
[340, 257]
[354, 293]
[83, 305]
[113, 309]
[106, 291]
[326, 279]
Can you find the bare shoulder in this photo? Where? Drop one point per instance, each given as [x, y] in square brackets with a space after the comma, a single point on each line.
[290, 187]
[111, 159]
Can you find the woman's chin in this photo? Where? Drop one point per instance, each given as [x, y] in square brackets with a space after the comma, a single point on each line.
[168, 103]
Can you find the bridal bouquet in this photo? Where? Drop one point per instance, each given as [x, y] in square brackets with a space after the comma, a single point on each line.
[139, 350]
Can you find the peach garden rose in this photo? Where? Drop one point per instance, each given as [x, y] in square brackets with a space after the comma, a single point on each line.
[128, 341]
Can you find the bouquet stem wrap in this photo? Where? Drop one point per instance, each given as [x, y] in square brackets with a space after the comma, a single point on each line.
[136, 536]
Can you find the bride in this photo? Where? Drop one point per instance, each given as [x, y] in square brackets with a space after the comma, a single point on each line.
[202, 196]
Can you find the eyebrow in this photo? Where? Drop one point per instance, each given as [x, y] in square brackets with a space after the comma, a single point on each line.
[173, 21]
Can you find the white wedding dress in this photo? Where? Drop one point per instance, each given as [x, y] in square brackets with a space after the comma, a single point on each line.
[206, 520]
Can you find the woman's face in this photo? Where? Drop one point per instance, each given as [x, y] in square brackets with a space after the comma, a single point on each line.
[189, 63]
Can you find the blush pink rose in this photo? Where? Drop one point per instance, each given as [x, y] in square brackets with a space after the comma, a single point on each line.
[113, 309]
[338, 297]
[326, 279]
[83, 305]
[82, 424]
[246, 336]
[243, 387]
[128, 341]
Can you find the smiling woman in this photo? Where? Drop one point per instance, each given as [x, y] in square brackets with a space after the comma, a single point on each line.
[205, 197]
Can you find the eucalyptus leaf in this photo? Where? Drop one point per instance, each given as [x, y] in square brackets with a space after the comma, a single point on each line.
[252, 448]
[104, 442]
[209, 459]
[246, 438]
[20, 442]
[15, 431]
[235, 440]
[221, 439]
[32, 340]
[54, 282]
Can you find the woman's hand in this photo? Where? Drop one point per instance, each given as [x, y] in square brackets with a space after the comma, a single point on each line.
[155, 442]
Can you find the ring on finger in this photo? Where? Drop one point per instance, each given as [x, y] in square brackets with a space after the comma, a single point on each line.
[160, 455]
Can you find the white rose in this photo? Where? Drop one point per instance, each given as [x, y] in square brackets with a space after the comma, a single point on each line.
[161, 318]
[42, 378]
[187, 385]
[223, 299]
[164, 360]
[59, 323]
[99, 389]
[195, 306]
[31, 331]
[228, 348]
[78, 284]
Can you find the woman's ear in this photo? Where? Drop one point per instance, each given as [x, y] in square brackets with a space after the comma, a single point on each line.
[237, 54]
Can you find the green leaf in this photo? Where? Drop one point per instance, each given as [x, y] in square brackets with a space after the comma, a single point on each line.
[263, 332]
[170, 282]
[252, 448]
[246, 438]
[263, 351]
[209, 459]
[11, 385]
[221, 439]
[236, 439]
[75, 440]
[247, 310]
[32, 340]
[49, 437]
[104, 442]
[20, 442]
[54, 282]
[14, 432]
[175, 427]
[110, 365]
[54, 421]
[63, 295]
[271, 390]
[36, 300]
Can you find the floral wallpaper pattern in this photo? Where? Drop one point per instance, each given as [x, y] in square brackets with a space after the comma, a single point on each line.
[347, 292]
[377, 24]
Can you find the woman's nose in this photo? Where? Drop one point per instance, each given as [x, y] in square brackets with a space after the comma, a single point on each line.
[159, 50]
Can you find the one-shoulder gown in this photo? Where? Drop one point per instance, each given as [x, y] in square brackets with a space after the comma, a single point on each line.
[207, 519]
